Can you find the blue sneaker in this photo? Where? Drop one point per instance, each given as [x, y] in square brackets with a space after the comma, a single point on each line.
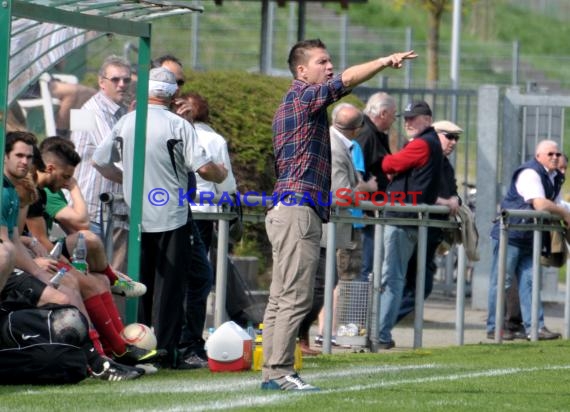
[288, 383]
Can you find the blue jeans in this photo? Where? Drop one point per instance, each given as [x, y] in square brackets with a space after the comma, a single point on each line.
[408, 303]
[399, 245]
[367, 252]
[519, 264]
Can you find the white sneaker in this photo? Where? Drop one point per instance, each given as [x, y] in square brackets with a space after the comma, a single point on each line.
[288, 383]
[128, 288]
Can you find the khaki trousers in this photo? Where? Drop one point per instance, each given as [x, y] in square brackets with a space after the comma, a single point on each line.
[294, 233]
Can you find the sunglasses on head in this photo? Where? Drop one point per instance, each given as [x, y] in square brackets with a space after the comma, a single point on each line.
[116, 80]
[451, 136]
[557, 154]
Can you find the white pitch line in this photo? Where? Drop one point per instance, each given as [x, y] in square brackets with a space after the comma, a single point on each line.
[284, 396]
[453, 377]
[237, 383]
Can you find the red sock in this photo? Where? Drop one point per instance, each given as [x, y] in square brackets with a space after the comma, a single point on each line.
[94, 336]
[103, 323]
[110, 273]
[106, 347]
[112, 310]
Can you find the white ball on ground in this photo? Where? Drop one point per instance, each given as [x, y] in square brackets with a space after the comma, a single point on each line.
[139, 335]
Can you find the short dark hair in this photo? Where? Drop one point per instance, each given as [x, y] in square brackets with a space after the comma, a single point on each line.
[37, 161]
[200, 108]
[116, 61]
[298, 55]
[165, 58]
[19, 136]
[61, 148]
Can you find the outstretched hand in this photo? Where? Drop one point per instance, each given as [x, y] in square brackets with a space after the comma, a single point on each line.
[396, 60]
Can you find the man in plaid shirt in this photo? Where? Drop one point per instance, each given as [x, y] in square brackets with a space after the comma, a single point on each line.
[301, 145]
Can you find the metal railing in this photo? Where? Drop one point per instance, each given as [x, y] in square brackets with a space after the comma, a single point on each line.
[541, 221]
[423, 220]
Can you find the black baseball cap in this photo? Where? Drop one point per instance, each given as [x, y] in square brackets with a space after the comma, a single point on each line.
[416, 109]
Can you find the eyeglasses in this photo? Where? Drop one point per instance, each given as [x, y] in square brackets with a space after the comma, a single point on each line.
[350, 127]
[180, 82]
[117, 80]
[557, 154]
[451, 136]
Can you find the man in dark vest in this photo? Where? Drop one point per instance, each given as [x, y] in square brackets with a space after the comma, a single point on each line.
[535, 185]
[416, 171]
[448, 133]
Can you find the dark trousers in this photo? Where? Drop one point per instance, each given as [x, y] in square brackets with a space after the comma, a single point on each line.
[197, 288]
[206, 229]
[367, 252]
[165, 265]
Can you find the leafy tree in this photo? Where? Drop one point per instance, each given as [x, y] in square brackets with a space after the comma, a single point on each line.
[435, 9]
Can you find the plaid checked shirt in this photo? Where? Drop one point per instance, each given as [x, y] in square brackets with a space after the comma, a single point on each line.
[301, 141]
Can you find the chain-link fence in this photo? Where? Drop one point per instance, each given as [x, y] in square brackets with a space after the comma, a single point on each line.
[228, 37]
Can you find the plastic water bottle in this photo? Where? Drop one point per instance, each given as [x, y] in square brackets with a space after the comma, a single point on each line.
[251, 331]
[342, 330]
[298, 360]
[79, 257]
[258, 349]
[55, 281]
[352, 329]
[55, 253]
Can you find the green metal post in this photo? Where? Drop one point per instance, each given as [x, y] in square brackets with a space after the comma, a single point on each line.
[5, 34]
[138, 170]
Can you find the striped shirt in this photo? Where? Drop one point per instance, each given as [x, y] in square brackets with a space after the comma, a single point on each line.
[92, 183]
[301, 141]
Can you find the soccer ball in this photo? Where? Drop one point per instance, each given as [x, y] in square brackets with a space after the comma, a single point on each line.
[139, 335]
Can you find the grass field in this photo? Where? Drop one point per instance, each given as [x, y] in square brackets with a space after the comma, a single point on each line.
[512, 377]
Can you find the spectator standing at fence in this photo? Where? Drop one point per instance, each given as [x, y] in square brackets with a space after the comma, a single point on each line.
[106, 108]
[166, 248]
[415, 168]
[535, 185]
[379, 115]
[301, 145]
[514, 326]
[349, 260]
[448, 134]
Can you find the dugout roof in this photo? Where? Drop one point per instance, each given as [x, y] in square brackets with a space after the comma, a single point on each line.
[44, 31]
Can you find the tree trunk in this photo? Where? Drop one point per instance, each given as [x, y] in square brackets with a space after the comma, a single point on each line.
[434, 19]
